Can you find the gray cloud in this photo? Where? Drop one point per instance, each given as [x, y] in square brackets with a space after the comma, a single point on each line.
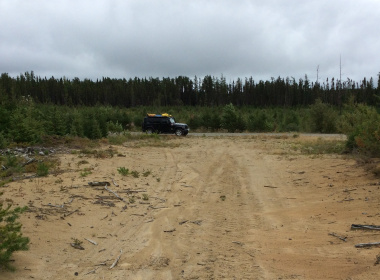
[262, 39]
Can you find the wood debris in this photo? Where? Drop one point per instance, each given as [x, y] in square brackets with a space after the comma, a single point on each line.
[92, 271]
[76, 246]
[114, 183]
[367, 245]
[116, 261]
[340, 237]
[162, 200]
[115, 194]
[367, 227]
[70, 213]
[91, 241]
[51, 205]
[97, 184]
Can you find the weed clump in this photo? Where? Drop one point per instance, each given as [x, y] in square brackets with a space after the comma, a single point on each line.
[123, 171]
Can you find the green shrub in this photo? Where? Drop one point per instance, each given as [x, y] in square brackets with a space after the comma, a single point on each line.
[137, 121]
[291, 121]
[42, 169]
[258, 122]
[361, 123]
[11, 239]
[194, 122]
[24, 127]
[322, 117]
[76, 126]
[114, 127]
[3, 141]
[231, 120]
[11, 161]
[118, 139]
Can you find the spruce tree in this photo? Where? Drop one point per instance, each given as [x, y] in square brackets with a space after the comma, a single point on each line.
[11, 239]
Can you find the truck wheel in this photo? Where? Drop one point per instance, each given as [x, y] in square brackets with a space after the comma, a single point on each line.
[178, 132]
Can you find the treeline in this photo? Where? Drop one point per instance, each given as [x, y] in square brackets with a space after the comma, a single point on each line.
[32, 108]
[183, 91]
[29, 122]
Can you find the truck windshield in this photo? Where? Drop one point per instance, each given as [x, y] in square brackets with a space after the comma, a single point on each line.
[172, 120]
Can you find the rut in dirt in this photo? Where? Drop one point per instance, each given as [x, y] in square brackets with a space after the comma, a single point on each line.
[209, 234]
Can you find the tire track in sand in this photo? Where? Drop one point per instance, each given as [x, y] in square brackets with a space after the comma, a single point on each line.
[209, 241]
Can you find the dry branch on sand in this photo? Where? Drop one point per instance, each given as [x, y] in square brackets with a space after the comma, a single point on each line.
[368, 227]
[117, 259]
[367, 245]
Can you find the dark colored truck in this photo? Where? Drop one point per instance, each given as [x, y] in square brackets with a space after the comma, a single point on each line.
[165, 124]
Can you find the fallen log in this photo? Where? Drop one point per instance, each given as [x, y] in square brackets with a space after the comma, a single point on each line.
[96, 184]
[366, 245]
[29, 162]
[132, 191]
[369, 227]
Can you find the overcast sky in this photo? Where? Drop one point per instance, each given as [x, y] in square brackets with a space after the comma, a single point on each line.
[168, 38]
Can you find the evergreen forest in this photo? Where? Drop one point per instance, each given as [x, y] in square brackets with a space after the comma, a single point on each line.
[32, 107]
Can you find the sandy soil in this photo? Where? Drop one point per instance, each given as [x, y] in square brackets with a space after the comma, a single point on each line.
[214, 208]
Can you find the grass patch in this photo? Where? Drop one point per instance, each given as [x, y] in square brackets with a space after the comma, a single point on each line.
[147, 173]
[82, 162]
[376, 170]
[123, 171]
[71, 142]
[135, 174]
[10, 165]
[321, 146]
[58, 181]
[85, 172]
[119, 139]
[42, 169]
[108, 153]
[139, 140]
[6, 181]
[371, 165]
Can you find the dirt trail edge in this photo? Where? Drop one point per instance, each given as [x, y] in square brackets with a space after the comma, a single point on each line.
[248, 207]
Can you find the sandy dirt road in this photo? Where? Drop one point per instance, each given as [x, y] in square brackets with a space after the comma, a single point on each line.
[201, 208]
